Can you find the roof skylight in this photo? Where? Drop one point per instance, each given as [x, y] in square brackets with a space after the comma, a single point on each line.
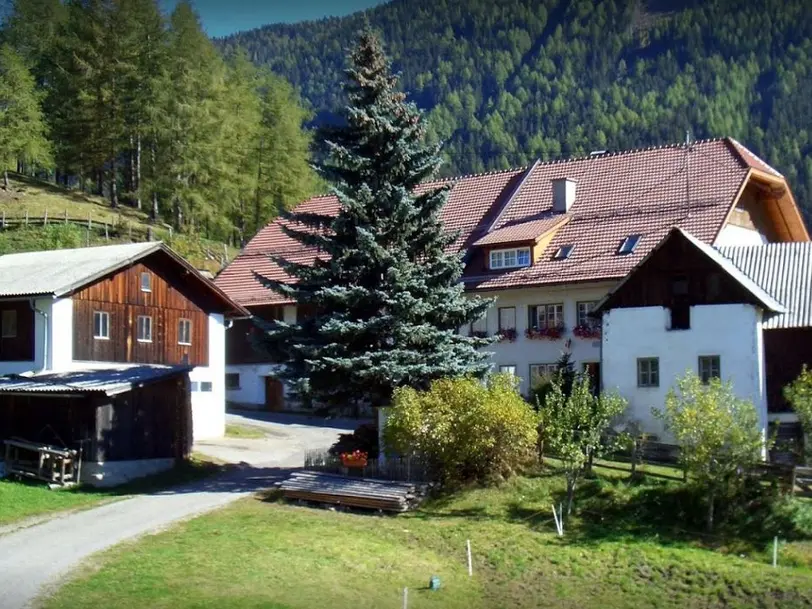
[629, 244]
[564, 251]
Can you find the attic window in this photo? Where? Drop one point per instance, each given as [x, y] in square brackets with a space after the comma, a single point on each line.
[564, 252]
[629, 244]
[505, 259]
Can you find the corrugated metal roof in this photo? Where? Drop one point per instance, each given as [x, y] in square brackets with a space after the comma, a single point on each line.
[58, 272]
[785, 271]
[109, 381]
[767, 300]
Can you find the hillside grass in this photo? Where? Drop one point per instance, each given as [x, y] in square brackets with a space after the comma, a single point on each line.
[40, 198]
[263, 552]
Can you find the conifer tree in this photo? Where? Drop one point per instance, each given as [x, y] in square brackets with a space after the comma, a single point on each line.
[385, 293]
[22, 126]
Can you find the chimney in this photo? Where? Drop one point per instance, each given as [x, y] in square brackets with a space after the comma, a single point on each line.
[563, 194]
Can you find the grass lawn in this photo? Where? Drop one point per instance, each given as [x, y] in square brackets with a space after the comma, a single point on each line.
[23, 499]
[264, 553]
[235, 430]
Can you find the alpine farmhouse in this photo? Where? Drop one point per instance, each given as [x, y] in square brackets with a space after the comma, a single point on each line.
[549, 242]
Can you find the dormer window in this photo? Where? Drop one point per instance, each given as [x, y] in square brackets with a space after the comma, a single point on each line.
[512, 258]
[564, 252]
[629, 244]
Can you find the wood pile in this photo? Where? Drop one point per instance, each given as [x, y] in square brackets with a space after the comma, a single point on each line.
[347, 491]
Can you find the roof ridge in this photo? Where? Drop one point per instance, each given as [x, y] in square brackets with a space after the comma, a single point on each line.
[614, 153]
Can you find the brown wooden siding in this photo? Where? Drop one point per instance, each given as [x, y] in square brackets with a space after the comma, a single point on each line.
[21, 347]
[785, 353]
[121, 296]
[678, 260]
[239, 344]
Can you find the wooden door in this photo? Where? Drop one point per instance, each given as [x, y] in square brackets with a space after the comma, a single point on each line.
[274, 394]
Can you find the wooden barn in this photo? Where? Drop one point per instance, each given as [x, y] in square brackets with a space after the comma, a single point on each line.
[138, 419]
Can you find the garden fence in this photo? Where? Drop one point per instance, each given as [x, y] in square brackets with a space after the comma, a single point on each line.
[401, 469]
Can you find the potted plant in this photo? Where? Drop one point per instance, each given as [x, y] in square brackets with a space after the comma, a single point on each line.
[548, 333]
[357, 458]
[586, 331]
[507, 335]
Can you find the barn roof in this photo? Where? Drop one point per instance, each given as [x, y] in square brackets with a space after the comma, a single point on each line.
[81, 382]
[58, 273]
[617, 194]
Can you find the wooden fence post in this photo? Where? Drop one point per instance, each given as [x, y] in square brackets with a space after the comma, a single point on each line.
[106, 232]
[4, 219]
[89, 224]
[45, 218]
[66, 215]
[26, 217]
[634, 456]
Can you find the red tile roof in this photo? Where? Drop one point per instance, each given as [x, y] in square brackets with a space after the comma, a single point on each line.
[617, 194]
[522, 231]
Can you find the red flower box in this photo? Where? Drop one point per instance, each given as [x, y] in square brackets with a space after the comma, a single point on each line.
[507, 335]
[357, 458]
[554, 333]
[586, 331]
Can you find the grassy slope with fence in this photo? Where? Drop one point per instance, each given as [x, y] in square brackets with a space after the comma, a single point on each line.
[627, 545]
[36, 215]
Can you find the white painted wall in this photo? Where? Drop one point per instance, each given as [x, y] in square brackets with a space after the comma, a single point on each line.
[738, 235]
[733, 332]
[525, 351]
[209, 407]
[60, 335]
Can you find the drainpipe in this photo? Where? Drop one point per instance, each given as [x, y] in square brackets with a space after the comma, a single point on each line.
[45, 335]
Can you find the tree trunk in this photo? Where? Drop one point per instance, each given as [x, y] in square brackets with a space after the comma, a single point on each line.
[100, 182]
[5, 178]
[113, 184]
[711, 498]
[155, 210]
[137, 176]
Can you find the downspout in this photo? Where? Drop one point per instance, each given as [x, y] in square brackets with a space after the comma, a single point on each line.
[45, 335]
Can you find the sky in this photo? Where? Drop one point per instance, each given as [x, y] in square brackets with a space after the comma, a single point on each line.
[222, 17]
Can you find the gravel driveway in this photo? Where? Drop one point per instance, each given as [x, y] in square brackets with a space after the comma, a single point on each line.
[35, 558]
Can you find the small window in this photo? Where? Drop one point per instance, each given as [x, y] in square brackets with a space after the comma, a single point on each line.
[184, 331]
[584, 309]
[507, 318]
[680, 316]
[564, 252]
[648, 372]
[546, 316]
[510, 369]
[144, 334]
[539, 372]
[629, 244]
[205, 386]
[101, 325]
[709, 367]
[194, 386]
[505, 259]
[9, 324]
[232, 380]
[146, 282]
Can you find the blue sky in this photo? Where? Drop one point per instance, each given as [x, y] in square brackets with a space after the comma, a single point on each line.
[221, 17]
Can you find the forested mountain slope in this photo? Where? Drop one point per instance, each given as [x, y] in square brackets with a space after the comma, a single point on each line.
[508, 81]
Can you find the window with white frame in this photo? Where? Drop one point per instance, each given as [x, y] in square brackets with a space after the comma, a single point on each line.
[648, 372]
[206, 386]
[546, 316]
[507, 318]
[509, 368]
[710, 366]
[146, 282]
[184, 331]
[101, 325]
[480, 326]
[539, 372]
[8, 324]
[584, 309]
[144, 329]
[512, 258]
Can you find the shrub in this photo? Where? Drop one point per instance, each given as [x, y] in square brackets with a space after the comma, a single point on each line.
[718, 434]
[572, 426]
[799, 395]
[465, 429]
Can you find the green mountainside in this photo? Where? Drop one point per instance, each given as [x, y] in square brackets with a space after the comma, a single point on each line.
[509, 81]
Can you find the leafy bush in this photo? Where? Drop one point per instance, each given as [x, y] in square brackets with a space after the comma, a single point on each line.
[718, 434]
[573, 426]
[466, 430]
[364, 438]
[799, 395]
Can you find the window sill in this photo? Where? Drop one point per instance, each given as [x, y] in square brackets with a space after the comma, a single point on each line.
[142, 340]
[185, 344]
[101, 338]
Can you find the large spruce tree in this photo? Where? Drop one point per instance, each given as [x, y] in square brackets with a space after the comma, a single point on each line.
[384, 294]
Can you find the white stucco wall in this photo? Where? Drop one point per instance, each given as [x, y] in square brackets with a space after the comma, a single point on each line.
[525, 351]
[209, 407]
[733, 332]
[738, 235]
[60, 332]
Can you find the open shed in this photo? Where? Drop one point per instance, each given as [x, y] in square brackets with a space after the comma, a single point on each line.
[127, 422]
